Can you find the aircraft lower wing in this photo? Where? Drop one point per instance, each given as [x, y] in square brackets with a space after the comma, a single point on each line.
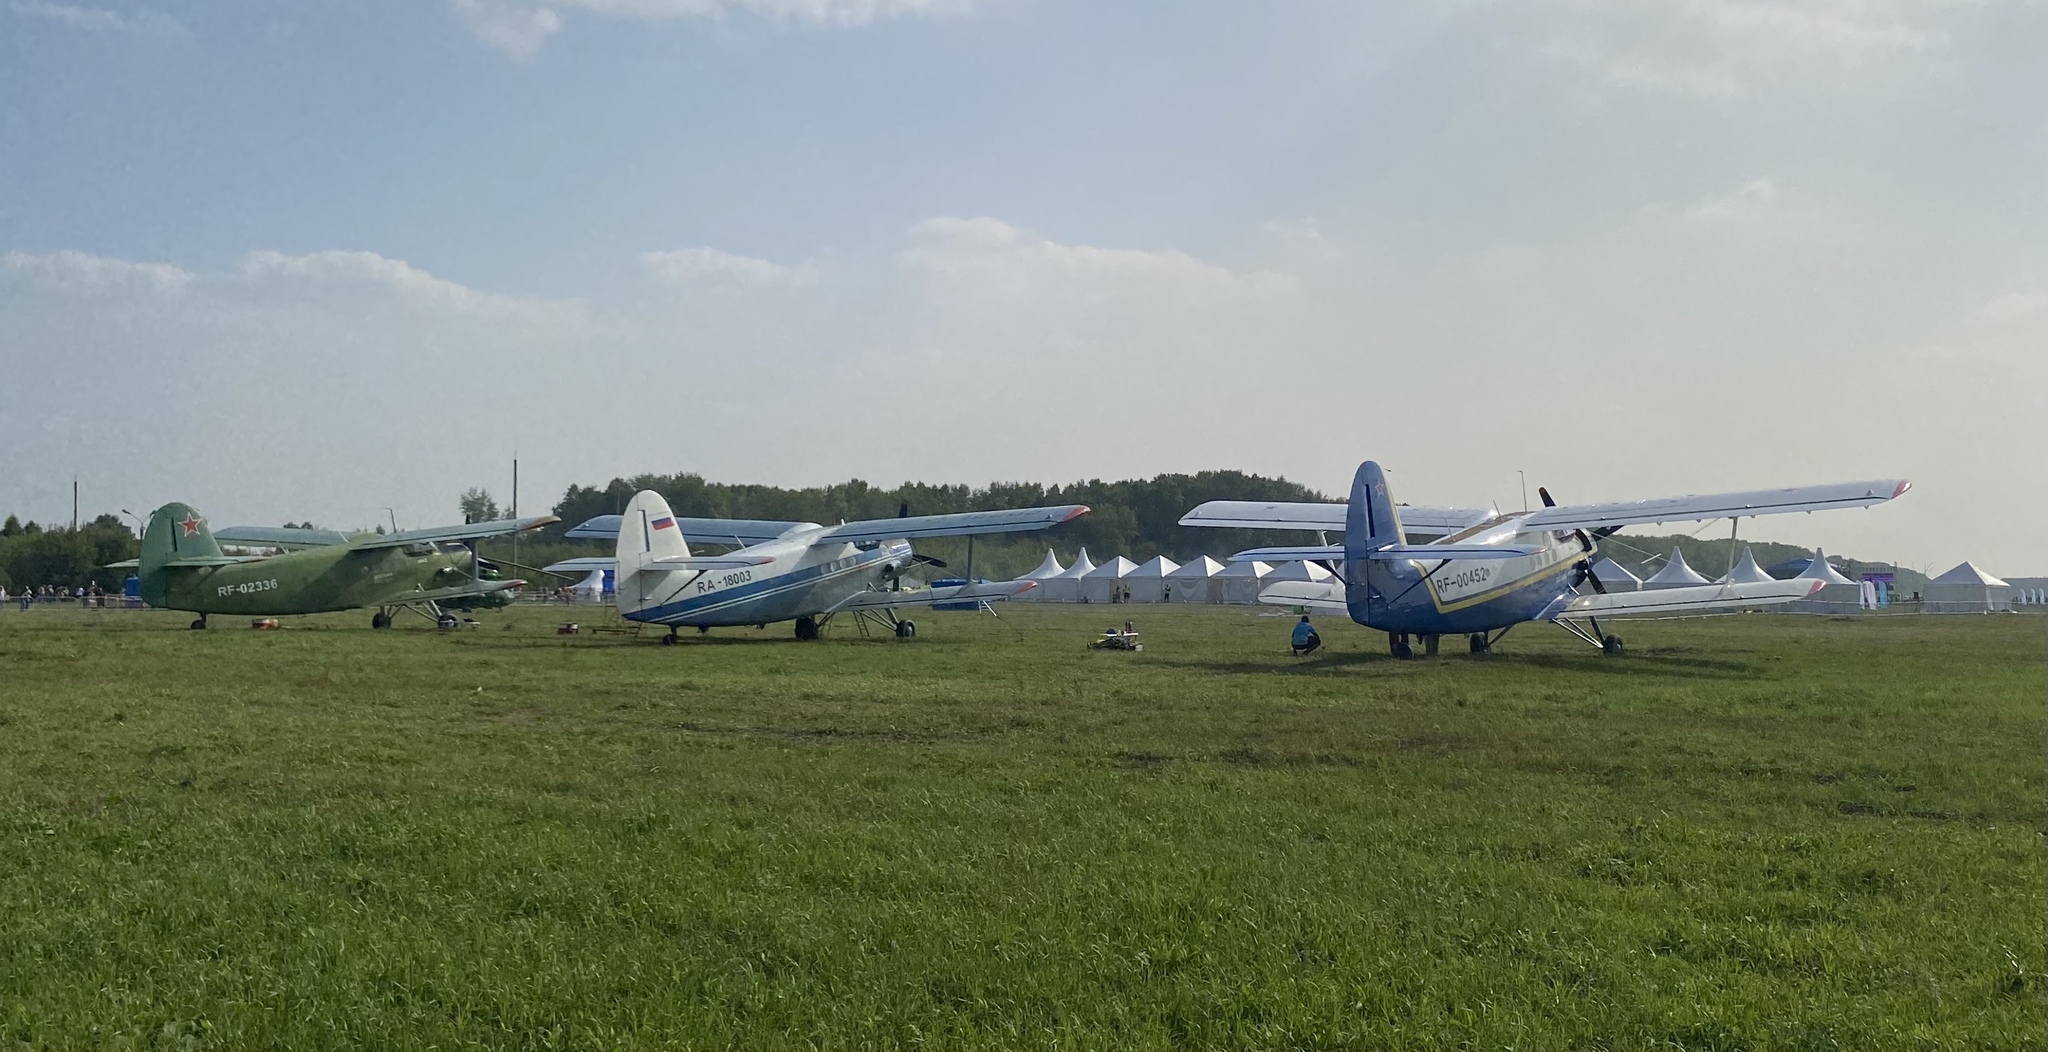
[737, 532]
[1298, 515]
[468, 532]
[1699, 599]
[1717, 505]
[1323, 597]
[882, 600]
[460, 591]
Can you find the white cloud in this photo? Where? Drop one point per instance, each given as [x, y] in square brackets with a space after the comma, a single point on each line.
[520, 27]
[98, 19]
[704, 266]
[82, 273]
[1016, 260]
[1725, 48]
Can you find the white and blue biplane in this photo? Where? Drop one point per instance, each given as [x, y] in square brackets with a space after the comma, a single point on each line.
[1480, 573]
[786, 571]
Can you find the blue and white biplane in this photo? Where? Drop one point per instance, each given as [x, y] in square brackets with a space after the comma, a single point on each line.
[1480, 573]
[786, 571]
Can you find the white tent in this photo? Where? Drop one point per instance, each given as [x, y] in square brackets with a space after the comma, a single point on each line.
[1065, 586]
[1049, 568]
[1675, 573]
[1840, 596]
[1148, 583]
[1101, 585]
[1615, 577]
[1297, 571]
[1193, 583]
[1240, 582]
[1746, 571]
[1966, 590]
[1046, 571]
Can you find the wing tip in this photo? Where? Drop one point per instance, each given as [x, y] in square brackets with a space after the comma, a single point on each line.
[1904, 485]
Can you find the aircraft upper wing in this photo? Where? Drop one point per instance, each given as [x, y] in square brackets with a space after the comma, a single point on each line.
[739, 532]
[680, 562]
[1014, 520]
[1298, 515]
[469, 532]
[1390, 553]
[279, 536]
[1717, 505]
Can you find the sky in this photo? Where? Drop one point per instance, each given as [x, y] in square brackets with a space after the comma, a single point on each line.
[340, 260]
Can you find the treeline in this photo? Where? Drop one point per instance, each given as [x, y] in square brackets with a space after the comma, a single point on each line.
[32, 555]
[1135, 518]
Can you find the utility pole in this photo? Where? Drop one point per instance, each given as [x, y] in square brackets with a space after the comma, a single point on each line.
[515, 509]
[74, 504]
[1525, 490]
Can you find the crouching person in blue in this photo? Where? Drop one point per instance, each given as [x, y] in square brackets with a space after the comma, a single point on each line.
[1305, 638]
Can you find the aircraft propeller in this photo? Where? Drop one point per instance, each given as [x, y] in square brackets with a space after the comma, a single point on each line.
[1583, 566]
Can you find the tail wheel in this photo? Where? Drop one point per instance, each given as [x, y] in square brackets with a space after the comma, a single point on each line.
[806, 628]
[1397, 645]
[1611, 646]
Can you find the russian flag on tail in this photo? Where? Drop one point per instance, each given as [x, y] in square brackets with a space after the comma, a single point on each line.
[664, 523]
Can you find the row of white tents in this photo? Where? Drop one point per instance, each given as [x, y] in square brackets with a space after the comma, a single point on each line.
[1159, 580]
[1964, 589]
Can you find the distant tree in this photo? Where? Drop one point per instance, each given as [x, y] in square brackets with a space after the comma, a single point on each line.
[11, 528]
[477, 505]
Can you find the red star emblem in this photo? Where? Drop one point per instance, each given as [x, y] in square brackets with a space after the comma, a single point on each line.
[190, 525]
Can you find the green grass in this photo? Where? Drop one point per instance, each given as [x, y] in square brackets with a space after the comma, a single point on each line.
[1751, 833]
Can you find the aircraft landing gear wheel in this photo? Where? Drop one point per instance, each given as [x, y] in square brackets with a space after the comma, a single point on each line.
[1611, 646]
[199, 624]
[1479, 643]
[906, 629]
[380, 619]
[1429, 645]
[1397, 645]
[669, 640]
[446, 622]
[806, 628]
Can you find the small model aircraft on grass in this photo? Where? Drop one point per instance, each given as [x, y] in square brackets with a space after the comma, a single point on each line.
[1485, 573]
[182, 567]
[785, 571]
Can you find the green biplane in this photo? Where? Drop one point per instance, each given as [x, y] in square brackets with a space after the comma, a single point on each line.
[183, 568]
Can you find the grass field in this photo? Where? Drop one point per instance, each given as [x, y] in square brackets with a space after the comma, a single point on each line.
[1751, 833]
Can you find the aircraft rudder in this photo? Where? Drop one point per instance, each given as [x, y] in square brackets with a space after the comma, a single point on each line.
[1371, 520]
[647, 531]
[175, 531]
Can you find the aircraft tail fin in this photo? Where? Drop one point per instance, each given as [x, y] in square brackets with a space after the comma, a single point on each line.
[648, 534]
[175, 533]
[1371, 519]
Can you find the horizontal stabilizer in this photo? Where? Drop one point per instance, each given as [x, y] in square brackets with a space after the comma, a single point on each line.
[1323, 597]
[1298, 515]
[1700, 599]
[737, 532]
[363, 542]
[963, 524]
[193, 562]
[279, 536]
[1717, 505]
